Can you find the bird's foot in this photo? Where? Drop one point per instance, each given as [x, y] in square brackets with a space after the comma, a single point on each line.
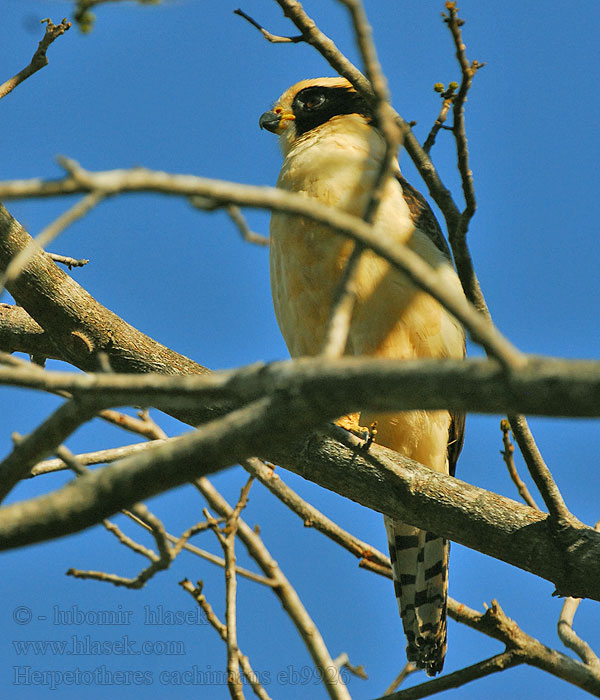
[351, 424]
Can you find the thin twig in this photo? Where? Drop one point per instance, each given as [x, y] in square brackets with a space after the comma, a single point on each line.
[457, 233]
[448, 97]
[468, 71]
[68, 261]
[209, 204]
[200, 598]
[181, 542]
[192, 531]
[50, 466]
[343, 661]
[401, 677]
[39, 60]
[273, 38]
[127, 541]
[508, 454]
[538, 469]
[142, 425]
[157, 562]
[227, 541]
[48, 234]
[234, 682]
[292, 604]
[43, 440]
[235, 214]
[570, 638]
[312, 517]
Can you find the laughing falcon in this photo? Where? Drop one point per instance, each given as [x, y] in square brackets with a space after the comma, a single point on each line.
[332, 152]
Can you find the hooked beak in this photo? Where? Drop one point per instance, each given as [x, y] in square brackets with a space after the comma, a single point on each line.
[275, 122]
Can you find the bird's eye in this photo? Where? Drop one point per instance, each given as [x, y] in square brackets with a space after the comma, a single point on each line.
[314, 101]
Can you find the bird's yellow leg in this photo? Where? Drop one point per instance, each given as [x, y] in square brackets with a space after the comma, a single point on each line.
[352, 425]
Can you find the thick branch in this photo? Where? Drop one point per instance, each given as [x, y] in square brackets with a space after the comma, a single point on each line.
[74, 321]
[20, 333]
[381, 480]
[495, 623]
[544, 386]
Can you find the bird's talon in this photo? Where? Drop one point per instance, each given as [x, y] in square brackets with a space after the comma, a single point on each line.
[371, 436]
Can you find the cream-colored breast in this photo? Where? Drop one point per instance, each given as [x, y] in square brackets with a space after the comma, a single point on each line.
[337, 167]
[391, 318]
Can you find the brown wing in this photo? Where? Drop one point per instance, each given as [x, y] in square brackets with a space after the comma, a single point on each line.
[424, 219]
[422, 216]
[456, 438]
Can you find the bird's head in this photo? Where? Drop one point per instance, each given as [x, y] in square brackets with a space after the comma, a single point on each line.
[309, 104]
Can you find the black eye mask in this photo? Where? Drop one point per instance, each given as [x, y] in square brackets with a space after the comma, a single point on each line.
[316, 105]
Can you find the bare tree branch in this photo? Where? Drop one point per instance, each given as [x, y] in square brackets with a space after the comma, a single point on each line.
[13, 238]
[500, 662]
[181, 542]
[569, 637]
[311, 516]
[77, 211]
[544, 386]
[448, 97]
[457, 234]
[42, 441]
[273, 38]
[492, 623]
[200, 598]
[290, 601]
[75, 321]
[157, 562]
[538, 469]
[39, 60]
[227, 540]
[142, 425]
[20, 333]
[496, 624]
[68, 261]
[401, 677]
[380, 479]
[99, 457]
[508, 454]
[247, 234]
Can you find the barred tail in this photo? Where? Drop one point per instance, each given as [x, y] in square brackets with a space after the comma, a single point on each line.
[420, 570]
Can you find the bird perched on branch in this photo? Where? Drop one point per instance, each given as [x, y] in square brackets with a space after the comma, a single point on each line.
[332, 152]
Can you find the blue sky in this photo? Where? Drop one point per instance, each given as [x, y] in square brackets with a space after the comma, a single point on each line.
[179, 87]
